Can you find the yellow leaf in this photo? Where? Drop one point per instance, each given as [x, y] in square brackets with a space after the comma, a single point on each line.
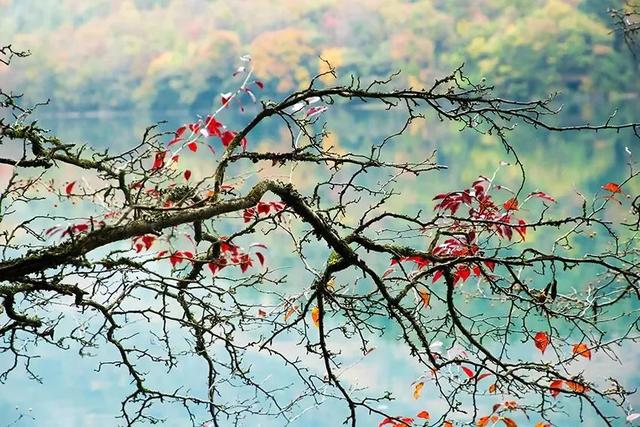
[331, 284]
[315, 316]
[492, 388]
[417, 389]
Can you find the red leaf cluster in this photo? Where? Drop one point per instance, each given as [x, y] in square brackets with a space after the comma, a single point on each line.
[81, 227]
[208, 127]
[262, 209]
[143, 242]
[231, 254]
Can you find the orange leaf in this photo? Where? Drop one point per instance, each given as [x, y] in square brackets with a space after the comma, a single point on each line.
[542, 424]
[483, 421]
[511, 205]
[511, 404]
[509, 422]
[555, 387]
[541, 340]
[292, 309]
[582, 350]
[417, 389]
[577, 387]
[492, 388]
[612, 187]
[315, 316]
[447, 424]
[424, 415]
[425, 297]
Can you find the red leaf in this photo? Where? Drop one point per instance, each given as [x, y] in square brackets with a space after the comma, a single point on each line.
[187, 174]
[462, 273]
[541, 340]
[213, 267]
[213, 126]
[277, 206]
[158, 161]
[263, 208]
[612, 187]
[542, 195]
[175, 259]
[193, 146]
[194, 127]
[314, 111]
[225, 98]
[521, 228]
[437, 276]
[148, 240]
[259, 84]
[260, 258]
[468, 371]
[511, 205]
[387, 272]
[490, 265]
[178, 135]
[69, 188]
[476, 270]
[424, 415]
[555, 387]
[227, 137]
[248, 214]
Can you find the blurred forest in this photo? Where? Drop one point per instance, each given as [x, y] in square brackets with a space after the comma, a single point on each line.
[177, 54]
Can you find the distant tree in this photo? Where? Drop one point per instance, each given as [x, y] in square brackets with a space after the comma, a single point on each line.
[124, 249]
[627, 23]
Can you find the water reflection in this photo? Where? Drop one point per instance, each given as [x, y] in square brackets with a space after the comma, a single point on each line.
[560, 164]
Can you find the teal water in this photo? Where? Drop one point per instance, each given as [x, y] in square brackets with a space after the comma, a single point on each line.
[73, 394]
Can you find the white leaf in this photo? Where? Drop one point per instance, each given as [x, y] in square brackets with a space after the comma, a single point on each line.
[633, 417]
[297, 107]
